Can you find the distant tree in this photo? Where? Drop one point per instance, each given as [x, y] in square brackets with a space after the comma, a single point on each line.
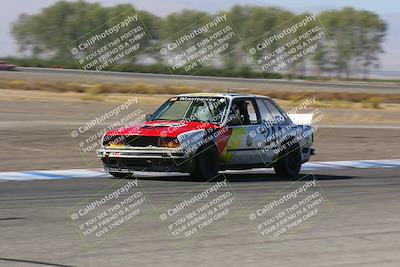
[182, 21]
[354, 41]
[252, 24]
[49, 31]
[371, 35]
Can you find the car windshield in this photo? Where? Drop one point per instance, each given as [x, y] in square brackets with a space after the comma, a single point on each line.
[203, 109]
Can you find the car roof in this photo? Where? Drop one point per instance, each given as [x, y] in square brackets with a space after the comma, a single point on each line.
[228, 95]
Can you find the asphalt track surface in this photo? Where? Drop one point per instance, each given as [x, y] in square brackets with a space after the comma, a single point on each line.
[360, 227]
[218, 82]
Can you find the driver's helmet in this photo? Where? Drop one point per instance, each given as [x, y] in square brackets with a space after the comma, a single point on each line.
[235, 110]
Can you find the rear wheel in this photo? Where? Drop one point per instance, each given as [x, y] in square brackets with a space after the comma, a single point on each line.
[121, 175]
[289, 163]
[205, 163]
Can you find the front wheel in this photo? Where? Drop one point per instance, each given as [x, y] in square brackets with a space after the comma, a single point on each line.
[289, 163]
[205, 163]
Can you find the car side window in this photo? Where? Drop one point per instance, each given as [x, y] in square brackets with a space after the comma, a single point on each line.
[245, 111]
[266, 115]
[274, 114]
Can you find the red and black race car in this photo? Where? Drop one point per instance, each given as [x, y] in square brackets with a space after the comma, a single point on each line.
[202, 134]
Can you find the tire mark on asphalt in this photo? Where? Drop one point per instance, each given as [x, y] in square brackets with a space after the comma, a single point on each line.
[35, 262]
[12, 218]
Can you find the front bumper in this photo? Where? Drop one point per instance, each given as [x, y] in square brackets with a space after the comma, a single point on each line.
[144, 159]
[142, 152]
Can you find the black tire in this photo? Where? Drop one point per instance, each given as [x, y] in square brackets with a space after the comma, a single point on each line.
[205, 163]
[289, 162]
[121, 175]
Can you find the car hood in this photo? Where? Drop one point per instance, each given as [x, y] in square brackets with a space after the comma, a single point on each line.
[162, 128]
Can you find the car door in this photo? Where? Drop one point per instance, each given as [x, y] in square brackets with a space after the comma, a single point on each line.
[274, 123]
[245, 145]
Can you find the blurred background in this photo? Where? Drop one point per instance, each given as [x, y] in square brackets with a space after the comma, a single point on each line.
[362, 35]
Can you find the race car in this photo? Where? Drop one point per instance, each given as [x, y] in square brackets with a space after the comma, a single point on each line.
[205, 133]
[6, 66]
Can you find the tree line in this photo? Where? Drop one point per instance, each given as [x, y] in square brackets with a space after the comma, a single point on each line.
[353, 44]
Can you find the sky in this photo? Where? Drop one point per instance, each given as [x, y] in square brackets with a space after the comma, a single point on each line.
[389, 10]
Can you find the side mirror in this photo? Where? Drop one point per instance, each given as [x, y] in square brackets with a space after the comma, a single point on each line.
[148, 117]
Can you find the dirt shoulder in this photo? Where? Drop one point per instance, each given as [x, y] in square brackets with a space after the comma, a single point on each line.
[336, 112]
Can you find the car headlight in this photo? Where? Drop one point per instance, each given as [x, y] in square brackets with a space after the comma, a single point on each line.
[102, 139]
